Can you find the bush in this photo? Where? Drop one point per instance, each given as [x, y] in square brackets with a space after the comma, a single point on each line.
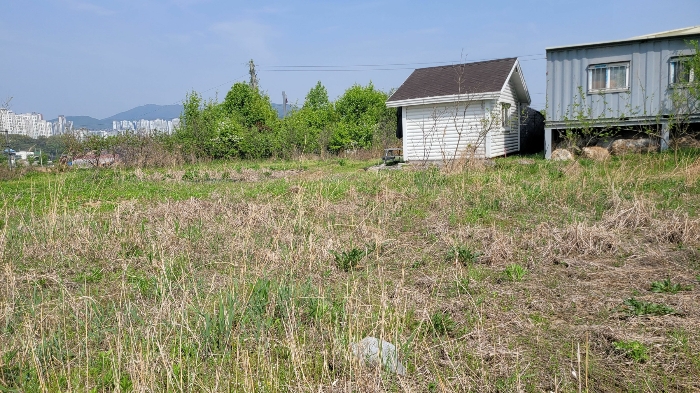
[348, 260]
[666, 286]
[245, 125]
[462, 254]
[514, 272]
[639, 307]
[442, 323]
[633, 350]
[250, 107]
[359, 110]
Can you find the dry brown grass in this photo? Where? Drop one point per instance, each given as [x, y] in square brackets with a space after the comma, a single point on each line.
[123, 298]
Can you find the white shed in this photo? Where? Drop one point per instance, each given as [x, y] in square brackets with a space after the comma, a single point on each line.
[474, 109]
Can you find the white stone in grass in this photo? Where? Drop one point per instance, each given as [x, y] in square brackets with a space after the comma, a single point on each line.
[629, 146]
[374, 352]
[562, 155]
[595, 153]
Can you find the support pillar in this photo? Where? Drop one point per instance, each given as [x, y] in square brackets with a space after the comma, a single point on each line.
[547, 143]
[665, 134]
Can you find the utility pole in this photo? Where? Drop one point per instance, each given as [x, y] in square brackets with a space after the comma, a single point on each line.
[7, 149]
[253, 76]
[5, 106]
[284, 104]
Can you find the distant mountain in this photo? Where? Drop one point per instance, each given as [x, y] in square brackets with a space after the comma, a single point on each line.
[148, 112]
[280, 109]
[87, 122]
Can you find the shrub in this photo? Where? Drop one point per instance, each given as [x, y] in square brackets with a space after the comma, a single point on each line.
[348, 260]
[359, 110]
[633, 350]
[640, 307]
[251, 107]
[666, 286]
[442, 323]
[514, 272]
[462, 254]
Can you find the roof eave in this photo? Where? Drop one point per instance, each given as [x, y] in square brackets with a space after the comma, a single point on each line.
[648, 37]
[521, 79]
[454, 98]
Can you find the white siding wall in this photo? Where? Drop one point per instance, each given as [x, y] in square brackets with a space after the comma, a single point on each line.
[443, 132]
[506, 140]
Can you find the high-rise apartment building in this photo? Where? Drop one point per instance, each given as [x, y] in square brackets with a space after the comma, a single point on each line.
[32, 125]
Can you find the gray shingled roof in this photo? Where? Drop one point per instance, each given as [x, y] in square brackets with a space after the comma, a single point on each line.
[469, 78]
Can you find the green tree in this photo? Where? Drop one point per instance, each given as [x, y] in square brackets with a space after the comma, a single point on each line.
[306, 129]
[197, 125]
[250, 107]
[359, 110]
[360, 103]
[226, 143]
[317, 98]
[55, 145]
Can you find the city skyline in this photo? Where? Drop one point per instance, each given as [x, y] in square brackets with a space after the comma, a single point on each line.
[34, 125]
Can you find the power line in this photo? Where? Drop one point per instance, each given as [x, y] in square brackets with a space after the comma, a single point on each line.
[347, 67]
[353, 68]
[350, 69]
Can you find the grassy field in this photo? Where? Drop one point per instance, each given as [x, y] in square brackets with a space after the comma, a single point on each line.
[526, 275]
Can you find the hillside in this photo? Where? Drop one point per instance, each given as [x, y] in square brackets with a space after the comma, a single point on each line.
[87, 122]
[148, 112]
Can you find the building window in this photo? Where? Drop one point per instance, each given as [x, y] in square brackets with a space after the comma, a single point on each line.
[603, 77]
[681, 72]
[505, 115]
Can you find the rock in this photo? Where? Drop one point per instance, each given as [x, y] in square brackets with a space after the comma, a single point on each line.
[629, 146]
[374, 352]
[562, 155]
[384, 167]
[595, 153]
[605, 143]
[685, 141]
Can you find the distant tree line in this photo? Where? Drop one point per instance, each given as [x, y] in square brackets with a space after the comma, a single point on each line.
[245, 125]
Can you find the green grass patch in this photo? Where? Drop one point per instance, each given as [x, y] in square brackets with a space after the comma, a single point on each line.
[633, 350]
[666, 286]
[514, 272]
[640, 307]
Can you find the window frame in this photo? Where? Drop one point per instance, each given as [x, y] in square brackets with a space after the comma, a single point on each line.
[505, 116]
[608, 67]
[672, 64]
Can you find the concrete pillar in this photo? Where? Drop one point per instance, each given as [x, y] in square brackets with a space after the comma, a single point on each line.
[547, 143]
[665, 134]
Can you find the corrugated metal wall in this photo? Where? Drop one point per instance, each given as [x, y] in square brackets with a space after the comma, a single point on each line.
[648, 93]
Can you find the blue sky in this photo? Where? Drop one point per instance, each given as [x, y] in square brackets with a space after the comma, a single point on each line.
[98, 58]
